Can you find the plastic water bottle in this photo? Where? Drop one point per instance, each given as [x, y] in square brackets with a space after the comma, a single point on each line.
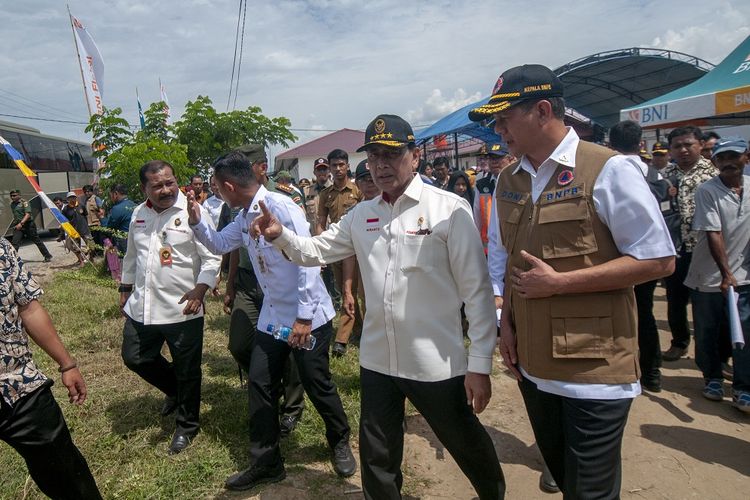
[282, 333]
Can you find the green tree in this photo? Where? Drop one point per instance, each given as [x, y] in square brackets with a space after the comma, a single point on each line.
[123, 165]
[110, 131]
[155, 118]
[209, 134]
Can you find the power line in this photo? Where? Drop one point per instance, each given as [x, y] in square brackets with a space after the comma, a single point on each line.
[43, 119]
[37, 102]
[239, 63]
[234, 58]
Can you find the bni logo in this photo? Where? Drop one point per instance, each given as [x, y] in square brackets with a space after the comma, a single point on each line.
[744, 66]
[654, 113]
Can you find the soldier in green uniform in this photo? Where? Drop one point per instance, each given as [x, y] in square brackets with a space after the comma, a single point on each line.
[23, 224]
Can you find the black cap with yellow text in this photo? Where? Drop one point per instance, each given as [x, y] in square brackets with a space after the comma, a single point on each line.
[388, 130]
[659, 148]
[530, 81]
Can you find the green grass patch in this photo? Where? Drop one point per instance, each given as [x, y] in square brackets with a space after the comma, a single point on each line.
[119, 429]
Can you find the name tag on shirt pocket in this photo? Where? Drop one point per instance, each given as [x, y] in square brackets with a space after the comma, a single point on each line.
[417, 253]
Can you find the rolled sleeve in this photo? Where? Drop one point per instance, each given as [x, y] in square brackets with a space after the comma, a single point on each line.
[626, 206]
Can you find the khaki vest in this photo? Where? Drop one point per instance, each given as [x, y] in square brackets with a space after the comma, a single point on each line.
[92, 211]
[585, 338]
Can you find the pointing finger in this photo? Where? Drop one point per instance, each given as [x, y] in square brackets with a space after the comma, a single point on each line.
[264, 209]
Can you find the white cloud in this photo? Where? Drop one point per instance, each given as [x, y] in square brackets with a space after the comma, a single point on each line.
[340, 61]
[436, 106]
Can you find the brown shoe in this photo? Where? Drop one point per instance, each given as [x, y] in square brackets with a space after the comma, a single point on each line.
[673, 353]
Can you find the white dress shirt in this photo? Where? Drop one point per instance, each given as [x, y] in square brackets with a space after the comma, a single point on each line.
[419, 258]
[289, 291]
[624, 203]
[213, 206]
[158, 288]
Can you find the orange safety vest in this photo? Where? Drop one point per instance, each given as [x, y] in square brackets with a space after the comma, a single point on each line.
[485, 207]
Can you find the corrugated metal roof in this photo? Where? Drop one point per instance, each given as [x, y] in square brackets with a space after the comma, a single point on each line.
[347, 139]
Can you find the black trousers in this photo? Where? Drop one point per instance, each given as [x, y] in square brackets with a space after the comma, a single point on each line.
[678, 296]
[29, 231]
[648, 332]
[36, 429]
[266, 366]
[443, 405]
[181, 379]
[242, 329]
[580, 440]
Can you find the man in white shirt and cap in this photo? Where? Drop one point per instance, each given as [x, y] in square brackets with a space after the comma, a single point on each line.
[165, 275]
[421, 257]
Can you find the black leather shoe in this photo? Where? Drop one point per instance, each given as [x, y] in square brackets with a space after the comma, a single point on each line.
[651, 385]
[547, 482]
[169, 406]
[48, 258]
[179, 442]
[287, 423]
[339, 349]
[255, 475]
[343, 460]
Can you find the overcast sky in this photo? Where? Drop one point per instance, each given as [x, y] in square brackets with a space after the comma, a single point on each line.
[327, 64]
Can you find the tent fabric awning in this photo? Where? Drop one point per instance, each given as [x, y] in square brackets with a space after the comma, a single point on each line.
[458, 123]
[722, 95]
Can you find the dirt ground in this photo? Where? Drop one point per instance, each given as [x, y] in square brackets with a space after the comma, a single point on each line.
[677, 444]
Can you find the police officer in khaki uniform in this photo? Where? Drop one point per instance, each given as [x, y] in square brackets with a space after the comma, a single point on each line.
[579, 227]
[24, 225]
[322, 173]
[334, 202]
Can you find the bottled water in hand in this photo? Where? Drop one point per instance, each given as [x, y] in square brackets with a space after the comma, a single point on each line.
[282, 334]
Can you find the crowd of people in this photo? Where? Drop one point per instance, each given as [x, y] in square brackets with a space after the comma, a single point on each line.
[549, 250]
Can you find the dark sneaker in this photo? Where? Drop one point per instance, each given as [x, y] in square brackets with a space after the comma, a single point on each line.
[714, 390]
[287, 423]
[254, 476]
[651, 385]
[343, 460]
[673, 353]
[339, 349]
[48, 258]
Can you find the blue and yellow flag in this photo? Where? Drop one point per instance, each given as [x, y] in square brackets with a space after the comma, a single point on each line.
[30, 176]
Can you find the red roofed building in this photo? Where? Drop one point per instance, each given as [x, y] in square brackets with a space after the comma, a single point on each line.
[299, 160]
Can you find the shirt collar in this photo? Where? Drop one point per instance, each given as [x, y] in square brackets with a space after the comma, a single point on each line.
[180, 204]
[413, 190]
[253, 208]
[564, 153]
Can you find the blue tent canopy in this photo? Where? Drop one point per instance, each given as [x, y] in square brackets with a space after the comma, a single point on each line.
[458, 123]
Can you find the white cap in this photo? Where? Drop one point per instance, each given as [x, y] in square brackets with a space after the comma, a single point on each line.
[71, 193]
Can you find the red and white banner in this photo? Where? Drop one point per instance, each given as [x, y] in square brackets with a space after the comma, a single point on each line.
[92, 66]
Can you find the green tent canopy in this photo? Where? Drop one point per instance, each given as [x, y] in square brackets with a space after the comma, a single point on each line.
[721, 97]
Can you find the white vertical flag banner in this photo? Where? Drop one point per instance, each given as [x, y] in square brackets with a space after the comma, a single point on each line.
[92, 66]
[163, 92]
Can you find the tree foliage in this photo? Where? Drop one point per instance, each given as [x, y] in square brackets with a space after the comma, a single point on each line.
[123, 165]
[209, 134]
[155, 118]
[201, 135]
[110, 131]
